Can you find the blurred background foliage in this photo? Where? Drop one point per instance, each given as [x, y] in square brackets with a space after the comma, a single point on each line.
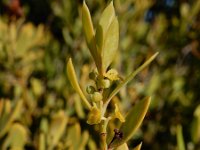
[39, 109]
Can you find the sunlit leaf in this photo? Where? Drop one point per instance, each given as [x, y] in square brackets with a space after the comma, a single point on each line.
[74, 132]
[17, 137]
[138, 147]
[74, 82]
[195, 129]
[180, 140]
[104, 23]
[41, 141]
[110, 44]
[94, 116]
[84, 140]
[118, 114]
[107, 36]
[90, 35]
[130, 77]
[12, 116]
[133, 121]
[123, 147]
[57, 128]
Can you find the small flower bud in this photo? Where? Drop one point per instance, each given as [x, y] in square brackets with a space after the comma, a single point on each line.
[103, 83]
[90, 89]
[118, 114]
[96, 97]
[94, 116]
[106, 83]
[93, 75]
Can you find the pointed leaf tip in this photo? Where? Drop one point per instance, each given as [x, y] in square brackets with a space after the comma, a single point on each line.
[90, 35]
[130, 77]
[107, 36]
[138, 147]
[134, 120]
[74, 82]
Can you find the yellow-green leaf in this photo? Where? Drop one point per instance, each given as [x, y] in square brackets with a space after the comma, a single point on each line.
[74, 82]
[104, 23]
[118, 114]
[57, 128]
[130, 77]
[84, 139]
[107, 36]
[123, 147]
[12, 116]
[90, 35]
[180, 140]
[138, 147]
[94, 116]
[74, 132]
[195, 129]
[42, 144]
[110, 44]
[17, 137]
[133, 121]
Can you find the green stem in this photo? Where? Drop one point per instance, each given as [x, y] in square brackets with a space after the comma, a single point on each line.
[103, 133]
[130, 77]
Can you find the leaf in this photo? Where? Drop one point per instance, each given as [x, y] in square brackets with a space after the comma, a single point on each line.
[195, 129]
[138, 147]
[90, 35]
[107, 36]
[110, 44]
[79, 107]
[37, 86]
[74, 132]
[133, 121]
[42, 143]
[123, 147]
[17, 137]
[83, 141]
[73, 80]
[179, 137]
[12, 116]
[104, 23]
[57, 128]
[129, 78]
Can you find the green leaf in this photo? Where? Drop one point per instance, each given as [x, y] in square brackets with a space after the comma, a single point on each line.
[42, 144]
[90, 35]
[74, 82]
[16, 138]
[57, 128]
[107, 36]
[129, 78]
[74, 132]
[179, 137]
[12, 116]
[110, 44]
[122, 147]
[195, 129]
[104, 23]
[84, 139]
[133, 121]
[138, 147]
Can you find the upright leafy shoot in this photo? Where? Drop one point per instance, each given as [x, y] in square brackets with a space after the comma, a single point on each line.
[103, 45]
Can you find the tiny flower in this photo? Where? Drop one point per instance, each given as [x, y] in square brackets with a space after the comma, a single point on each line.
[96, 97]
[94, 116]
[90, 89]
[118, 114]
[103, 83]
[106, 83]
[93, 75]
[112, 74]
